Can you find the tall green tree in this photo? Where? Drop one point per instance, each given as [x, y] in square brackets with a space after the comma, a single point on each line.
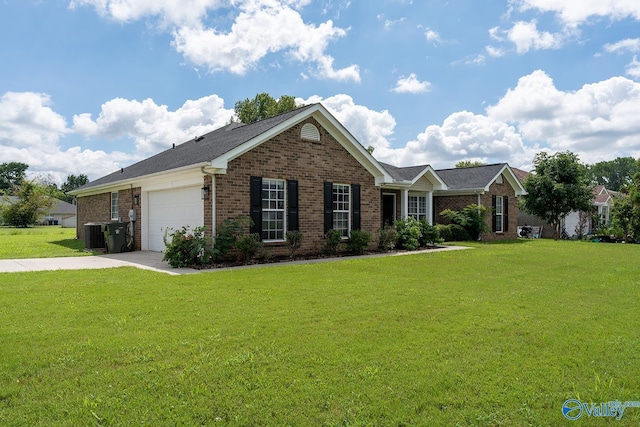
[557, 187]
[12, 175]
[263, 106]
[469, 163]
[625, 215]
[613, 174]
[33, 201]
[72, 183]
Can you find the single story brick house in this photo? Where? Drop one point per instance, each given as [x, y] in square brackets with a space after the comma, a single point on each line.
[301, 170]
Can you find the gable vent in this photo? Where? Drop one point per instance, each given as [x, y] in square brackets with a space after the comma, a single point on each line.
[310, 132]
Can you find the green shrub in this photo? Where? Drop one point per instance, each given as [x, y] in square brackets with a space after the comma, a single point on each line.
[248, 246]
[228, 233]
[331, 241]
[358, 242]
[471, 218]
[452, 233]
[294, 241]
[387, 238]
[409, 233]
[430, 234]
[188, 248]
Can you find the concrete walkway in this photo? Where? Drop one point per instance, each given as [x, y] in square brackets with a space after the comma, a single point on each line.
[153, 261]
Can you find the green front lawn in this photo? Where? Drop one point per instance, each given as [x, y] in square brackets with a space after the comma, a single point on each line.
[502, 334]
[39, 242]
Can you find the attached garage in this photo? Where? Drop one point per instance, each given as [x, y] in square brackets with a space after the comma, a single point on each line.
[172, 209]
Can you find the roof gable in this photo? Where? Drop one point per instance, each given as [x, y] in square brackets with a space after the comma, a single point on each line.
[479, 178]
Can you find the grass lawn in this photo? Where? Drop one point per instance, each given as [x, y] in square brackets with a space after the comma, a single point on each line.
[499, 335]
[39, 242]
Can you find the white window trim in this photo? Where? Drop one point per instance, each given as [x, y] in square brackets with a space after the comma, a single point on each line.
[283, 210]
[348, 211]
[115, 217]
[417, 214]
[500, 216]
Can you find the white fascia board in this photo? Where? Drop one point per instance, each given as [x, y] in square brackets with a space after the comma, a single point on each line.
[433, 177]
[462, 192]
[511, 178]
[167, 176]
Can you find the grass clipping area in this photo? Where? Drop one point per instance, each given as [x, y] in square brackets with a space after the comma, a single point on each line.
[502, 334]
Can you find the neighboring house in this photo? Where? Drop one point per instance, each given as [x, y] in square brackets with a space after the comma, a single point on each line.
[300, 170]
[527, 219]
[602, 201]
[62, 213]
[493, 186]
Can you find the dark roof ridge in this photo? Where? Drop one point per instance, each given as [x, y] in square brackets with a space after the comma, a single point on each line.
[478, 166]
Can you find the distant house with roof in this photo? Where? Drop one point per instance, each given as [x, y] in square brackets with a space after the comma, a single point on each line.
[603, 200]
[301, 170]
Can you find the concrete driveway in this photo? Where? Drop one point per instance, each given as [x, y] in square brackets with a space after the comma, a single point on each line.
[148, 260]
[141, 259]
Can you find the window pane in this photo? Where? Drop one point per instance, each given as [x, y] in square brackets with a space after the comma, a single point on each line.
[273, 206]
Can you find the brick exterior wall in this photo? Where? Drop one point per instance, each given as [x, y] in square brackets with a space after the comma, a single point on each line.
[97, 208]
[441, 203]
[288, 157]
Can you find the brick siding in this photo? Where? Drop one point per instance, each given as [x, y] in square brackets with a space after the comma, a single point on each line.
[288, 157]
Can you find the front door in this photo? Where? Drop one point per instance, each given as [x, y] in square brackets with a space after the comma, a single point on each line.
[388, 209]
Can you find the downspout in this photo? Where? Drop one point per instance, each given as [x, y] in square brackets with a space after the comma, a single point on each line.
[213, 198]
[131, 226]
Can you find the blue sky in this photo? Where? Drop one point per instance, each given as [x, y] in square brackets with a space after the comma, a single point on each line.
[89, 86]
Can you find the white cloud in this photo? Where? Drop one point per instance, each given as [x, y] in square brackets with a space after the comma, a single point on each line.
[27, 120]
[574, 13]
[598, 121]
[411, 84]
[432, 36]
[495, 52]
[153, 127]
[526, 37]
[494, 33]
[30, 132]
[633, 69]
[626, 45]
[258, 28]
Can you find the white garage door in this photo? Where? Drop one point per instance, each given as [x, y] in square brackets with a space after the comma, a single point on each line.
[173, 209]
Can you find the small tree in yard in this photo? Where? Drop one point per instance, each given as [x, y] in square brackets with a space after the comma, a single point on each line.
[557, 187]
[33, 201]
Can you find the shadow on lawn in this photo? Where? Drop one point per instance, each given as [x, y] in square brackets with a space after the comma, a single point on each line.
[73, 244]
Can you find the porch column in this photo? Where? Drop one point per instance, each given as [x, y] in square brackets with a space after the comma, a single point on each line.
[404, 204]
[430, 207]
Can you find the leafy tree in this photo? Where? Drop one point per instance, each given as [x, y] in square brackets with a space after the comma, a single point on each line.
[614, 174]
[557, 187]
[33, 201]
[469, 163]
[263, 106]
[72, 183]
[625, 214]
[12, 175]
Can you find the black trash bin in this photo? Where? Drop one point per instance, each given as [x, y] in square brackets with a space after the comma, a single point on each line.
[115, 235]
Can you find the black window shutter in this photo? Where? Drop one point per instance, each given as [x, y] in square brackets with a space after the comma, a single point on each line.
[292, 204]
[505, 213]
[256, 205]
[328, 206]
[493, 213]
[355, 198]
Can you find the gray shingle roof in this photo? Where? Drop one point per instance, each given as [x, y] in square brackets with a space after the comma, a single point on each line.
[202, 149]
[470, 178]
[403, 174]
